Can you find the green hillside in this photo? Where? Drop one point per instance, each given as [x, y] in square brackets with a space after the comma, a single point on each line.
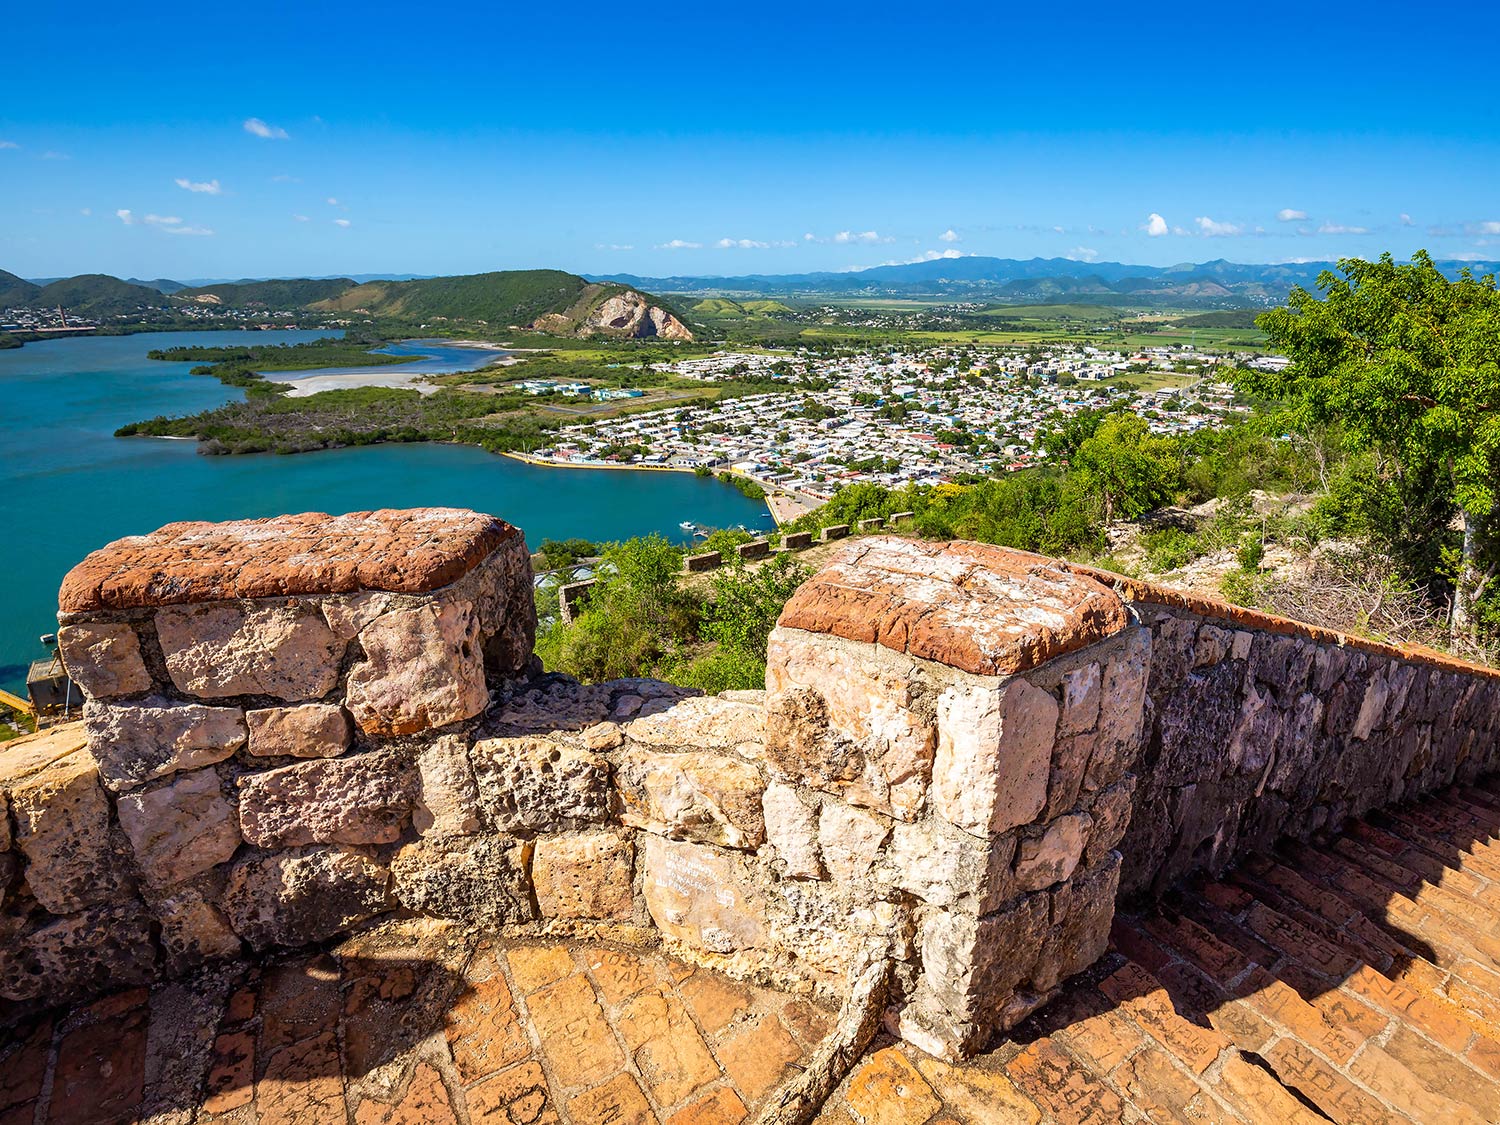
[97, 294]
[501, 298]
[16, 291]
[293, 293]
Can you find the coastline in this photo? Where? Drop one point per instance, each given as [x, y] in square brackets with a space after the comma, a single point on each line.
[783, 509]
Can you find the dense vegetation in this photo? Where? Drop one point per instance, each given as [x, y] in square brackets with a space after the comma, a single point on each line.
[641, 619]
[293, 293]
[241, 366]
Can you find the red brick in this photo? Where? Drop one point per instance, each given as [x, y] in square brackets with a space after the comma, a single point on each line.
[426, 1102]
[299, 1001]
[516, 1094]
[757, 1057]
[1280, 1003]
[1484, 1055]
[1225, 897]
[1196, 997]
[1096, 1032]
[616, 1102]
[1065, 1088]
[484, 1029]
[1191, 941]
[303, 1085]
[231, 1073]
[1382, 1073]
[1437, 1019]
[666, 1046]
[1128, 935]
[1157, 1087]
[1300, 1069]
[722, 1107]
[1443, 1071]
[1144, 1000]
[101, 1070]
[574, 1035]
[1259, 1098]
[24, 1065]
[1298, 942]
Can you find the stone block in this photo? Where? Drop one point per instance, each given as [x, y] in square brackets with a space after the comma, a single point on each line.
[1111, 812]
[849, 839]
[756, 549]
[944, 866]
[710, 798]
[447, 794]
[796, 541]
[103, 659]
[481, 879]
[105, 946]
[1122, 712]
[701, 896]
[572, 597]
[365, 799]
[540, 784]
[869, 525]
[847, 718]
[222, 649]
[898, 518]
[836, 531]
[702, 722]
[588, 875]
[423, 668]
[313, 730]
[62, 829]
[994, 753]
[1082, 912]
[707, 560]
[304, 895]
[180, 828]
[1051, 857]
[1081, 696]
[792, 828]
[193, 928]
[138, 742]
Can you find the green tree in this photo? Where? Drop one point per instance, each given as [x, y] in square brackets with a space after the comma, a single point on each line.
[1123, 468]
[1409, 362]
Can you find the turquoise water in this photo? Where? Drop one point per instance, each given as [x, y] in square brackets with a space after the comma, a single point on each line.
[67, 485]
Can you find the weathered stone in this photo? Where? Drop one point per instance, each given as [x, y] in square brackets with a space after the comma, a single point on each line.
[850, 839]
[1081, 697]
[698, 895]
[1082, 912]
[1111, 813]
[603, 736]
[423, 668]
[985, 610]
[303, 895]
[584, 876]
[993, 755]
[944, 866]
[703, 722]
[136, 743]
[1118, 738]
[1051, 857]
[447, 796]
[711, 798]
[471, 878]
[412, 551]
[792, 828]
[313, 730]
[62, 828]
[848, 718]
[347, 614]
[179, 828]
[1212, 645]
[361, 800]
[103, 659]
[101, 947]
[537, 783]
[193, 929]
[225, 649]
[4, 822]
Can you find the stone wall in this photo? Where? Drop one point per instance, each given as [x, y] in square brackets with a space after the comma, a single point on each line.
[963, 756]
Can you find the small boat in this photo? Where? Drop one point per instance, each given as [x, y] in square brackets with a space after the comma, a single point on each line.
[687, 525]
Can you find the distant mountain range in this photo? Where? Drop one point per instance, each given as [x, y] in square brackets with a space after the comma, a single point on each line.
[1216, 284]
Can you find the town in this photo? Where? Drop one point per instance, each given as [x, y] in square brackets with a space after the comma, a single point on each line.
[914, 416]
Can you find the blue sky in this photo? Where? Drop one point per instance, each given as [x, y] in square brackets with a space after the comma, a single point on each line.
[210, 141]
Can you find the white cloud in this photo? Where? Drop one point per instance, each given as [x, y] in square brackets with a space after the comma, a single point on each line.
[9, 144]
[926, 256]
[163, 220]
[741, 244]
[1083, 254]
[809, 237]
[679, 244]
[1489, 226]
[342, 223]
[303, 218]
[1212, 229]
[1339, 228]
[258, 128]
[1155, 225]
[125, 216]
[199, 231]
[867, 236]
[332, 202]
[85, 210]
[612, 246]
[1290, 215]
[1405, 219]
[949, 235]
[200, 187]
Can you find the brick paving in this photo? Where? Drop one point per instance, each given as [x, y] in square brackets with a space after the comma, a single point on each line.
[415, 1023]
[1354, 981]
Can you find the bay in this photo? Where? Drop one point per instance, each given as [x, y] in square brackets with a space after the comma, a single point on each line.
[68, 486]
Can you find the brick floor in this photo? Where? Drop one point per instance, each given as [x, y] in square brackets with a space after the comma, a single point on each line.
[1353, 980]
[415, 1023]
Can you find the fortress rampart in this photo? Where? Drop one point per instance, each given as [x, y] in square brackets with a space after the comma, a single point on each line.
[963, 758]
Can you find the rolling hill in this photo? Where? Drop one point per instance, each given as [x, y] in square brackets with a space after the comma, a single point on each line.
[275, 294]
[16, 291]
[97, 294]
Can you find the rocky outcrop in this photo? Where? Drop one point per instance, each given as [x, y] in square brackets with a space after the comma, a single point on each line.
[622, 313]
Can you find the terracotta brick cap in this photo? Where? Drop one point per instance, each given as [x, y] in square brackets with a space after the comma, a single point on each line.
[408, 551]
[987, 610]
